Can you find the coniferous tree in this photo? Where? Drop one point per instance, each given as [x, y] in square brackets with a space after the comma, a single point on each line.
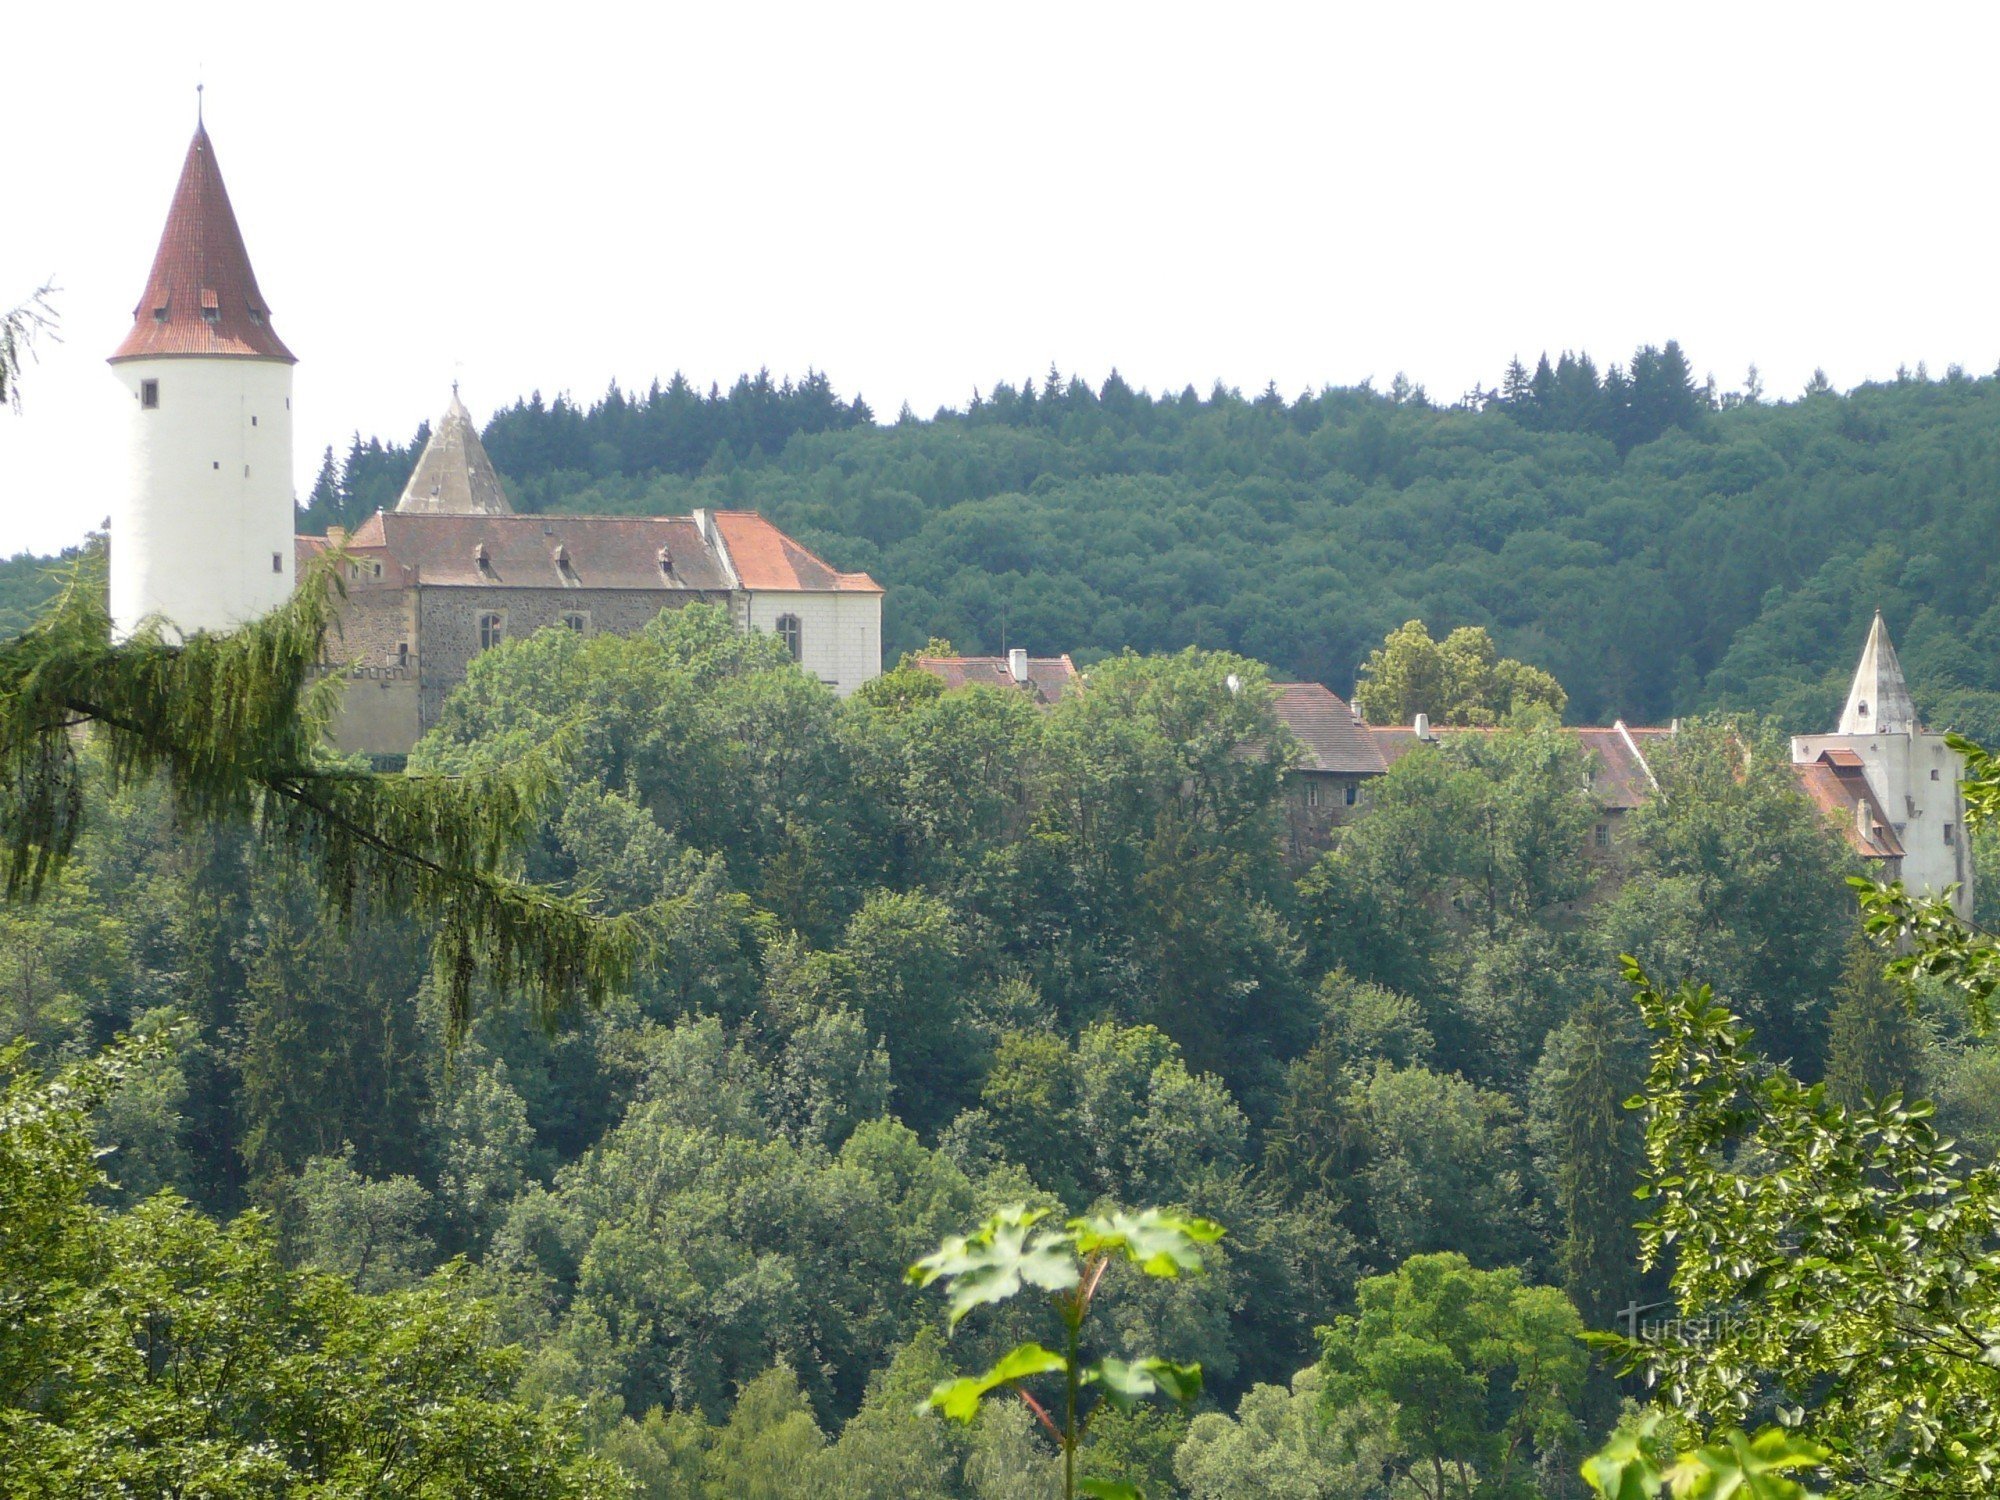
[1592, 1145]
[1874, 1046]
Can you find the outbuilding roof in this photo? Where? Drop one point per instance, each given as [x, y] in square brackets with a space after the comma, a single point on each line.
[201, 297]
[1334, 737]
[1048, 678]
[1620, 777]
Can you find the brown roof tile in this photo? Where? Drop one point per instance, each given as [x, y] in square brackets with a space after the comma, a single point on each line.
[596, 552]
[1334, 739]
[1049, 677]
[202, 296]
[1620, 778]
[1842, 792]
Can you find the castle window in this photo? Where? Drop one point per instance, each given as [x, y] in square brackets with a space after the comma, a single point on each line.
[1602, 836]
[577, 620]
[149, 394]
[277, 562]
[1312, 794]
[253, 421]
[1353, 792]
[492, 630]
[403, 654]
[1934, 775]
[1950, 834]
[793, 637]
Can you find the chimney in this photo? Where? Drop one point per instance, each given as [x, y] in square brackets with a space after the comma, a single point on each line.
[1423, 726]
[336, 536]
[1017, 664]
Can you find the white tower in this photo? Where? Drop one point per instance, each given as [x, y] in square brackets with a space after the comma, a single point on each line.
[201, 534]
[1913, 773]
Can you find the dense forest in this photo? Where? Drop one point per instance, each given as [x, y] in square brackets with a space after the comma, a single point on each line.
[926, 954]
[274, 1217]
[1662, 548]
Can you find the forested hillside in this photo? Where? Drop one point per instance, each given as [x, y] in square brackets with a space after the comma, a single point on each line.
[1659, 549]
[925, 954]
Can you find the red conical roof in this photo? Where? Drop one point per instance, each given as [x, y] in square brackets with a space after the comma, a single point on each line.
[202, 297]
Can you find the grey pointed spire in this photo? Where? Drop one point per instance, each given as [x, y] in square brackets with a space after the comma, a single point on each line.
[454, 477]
[1879, 701]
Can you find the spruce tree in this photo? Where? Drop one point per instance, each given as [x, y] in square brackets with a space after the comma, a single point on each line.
[1874, 1046]
[230, 729]
[1588, 1073]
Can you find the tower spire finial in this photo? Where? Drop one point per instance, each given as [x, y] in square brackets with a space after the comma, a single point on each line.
[197, 105]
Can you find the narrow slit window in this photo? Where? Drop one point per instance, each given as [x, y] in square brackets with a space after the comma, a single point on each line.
[277, 562]
[149, 394]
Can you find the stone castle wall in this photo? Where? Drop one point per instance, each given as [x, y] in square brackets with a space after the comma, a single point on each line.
[448, 624]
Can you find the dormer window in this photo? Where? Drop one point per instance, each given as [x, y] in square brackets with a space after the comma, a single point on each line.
[480, 560]
[666, 559]
[211, 308]
[159, 315]
[1861, 709]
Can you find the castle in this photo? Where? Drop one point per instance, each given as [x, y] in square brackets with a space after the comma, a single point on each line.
[203, 530]
[203, 539]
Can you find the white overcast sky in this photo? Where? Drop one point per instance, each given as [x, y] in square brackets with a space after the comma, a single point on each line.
[923, 199]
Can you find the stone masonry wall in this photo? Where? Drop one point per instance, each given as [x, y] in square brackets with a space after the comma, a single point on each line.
[448, 624]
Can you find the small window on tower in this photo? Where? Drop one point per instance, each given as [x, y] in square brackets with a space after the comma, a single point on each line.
[149, 394]
[253, 421]
[1950, 834]
[277, 562]
[1934, 774]
[403, 654]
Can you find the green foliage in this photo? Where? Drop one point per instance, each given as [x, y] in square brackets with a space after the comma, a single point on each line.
[1460, 680]
[229, 726]
[1479, 1373]
[1928, 936]
[1018, 1247]
[152, 1351]
[1842, 1255]
[1636, 1465]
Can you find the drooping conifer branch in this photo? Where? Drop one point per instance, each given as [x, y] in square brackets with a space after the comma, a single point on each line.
[232, 727]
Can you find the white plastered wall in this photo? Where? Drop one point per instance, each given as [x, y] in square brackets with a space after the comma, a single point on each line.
[1920, 806]
[207, 501]
[840, 634]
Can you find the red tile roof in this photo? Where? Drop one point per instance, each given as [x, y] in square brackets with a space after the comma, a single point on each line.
[1839, 787]
[765, 558]
[1049, 677]
[1333, 737]
[202, 296]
